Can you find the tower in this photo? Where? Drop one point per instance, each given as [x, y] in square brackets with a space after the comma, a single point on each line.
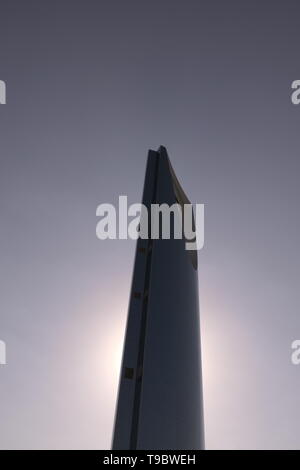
[160, 403]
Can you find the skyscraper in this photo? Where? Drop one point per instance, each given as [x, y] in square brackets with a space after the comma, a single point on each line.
[160, 402]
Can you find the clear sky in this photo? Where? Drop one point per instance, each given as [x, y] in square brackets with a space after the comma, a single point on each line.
[91, 86]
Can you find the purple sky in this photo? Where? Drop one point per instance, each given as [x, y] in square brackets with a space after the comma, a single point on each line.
[91, 85]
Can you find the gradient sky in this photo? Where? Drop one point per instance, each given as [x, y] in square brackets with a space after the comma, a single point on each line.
[91, 86]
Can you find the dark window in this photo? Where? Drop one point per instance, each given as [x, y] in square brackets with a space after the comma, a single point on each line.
[129, 371]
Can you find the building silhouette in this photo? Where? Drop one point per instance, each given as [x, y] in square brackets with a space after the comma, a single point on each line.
[160, 403]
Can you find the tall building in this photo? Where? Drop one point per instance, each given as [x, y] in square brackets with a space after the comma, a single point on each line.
[160, 402]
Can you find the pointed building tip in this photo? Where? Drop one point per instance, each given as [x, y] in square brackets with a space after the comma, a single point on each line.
[162, 149]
